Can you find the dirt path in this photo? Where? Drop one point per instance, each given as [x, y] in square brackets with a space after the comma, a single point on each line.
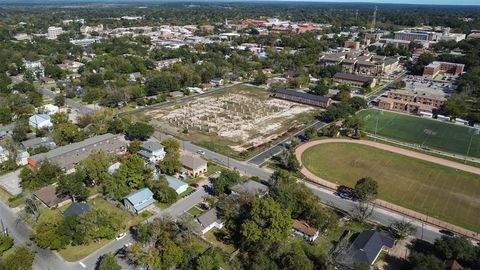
[436, 222]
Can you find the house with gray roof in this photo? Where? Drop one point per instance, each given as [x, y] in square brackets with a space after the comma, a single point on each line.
[76, 208]
[178, 185]
[138, 201]
[38, 142]
[251, 187]
[366, 248]
[209, 220]
[152, 151]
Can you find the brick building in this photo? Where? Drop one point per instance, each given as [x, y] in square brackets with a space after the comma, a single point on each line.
[411, 102]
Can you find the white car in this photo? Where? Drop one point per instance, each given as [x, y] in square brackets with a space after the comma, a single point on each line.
[121, 236]
[127, 245]
[201, 153]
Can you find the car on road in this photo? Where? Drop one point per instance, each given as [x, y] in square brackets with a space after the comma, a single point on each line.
[128, 244]
[446, 232]
[194, 185]
[201, 153]
[121, 236]
[345, 192]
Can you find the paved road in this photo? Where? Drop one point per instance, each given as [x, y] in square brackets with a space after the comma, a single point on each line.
[180, 100]
[267, 154]
[386, 87]
[82, 108]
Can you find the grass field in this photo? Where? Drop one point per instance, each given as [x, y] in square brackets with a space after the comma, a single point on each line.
[421, 131]
[425, 187]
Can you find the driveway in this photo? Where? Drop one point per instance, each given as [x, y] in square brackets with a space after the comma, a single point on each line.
[11, 182]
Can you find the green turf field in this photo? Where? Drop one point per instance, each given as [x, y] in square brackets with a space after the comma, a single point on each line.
[423, 132]
[425, 187]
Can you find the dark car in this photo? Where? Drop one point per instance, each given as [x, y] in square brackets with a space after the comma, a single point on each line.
[194, 185]
[345, 192]
[447, 232]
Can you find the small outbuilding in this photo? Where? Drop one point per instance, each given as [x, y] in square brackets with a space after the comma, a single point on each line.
[139, 200]
[209, 220]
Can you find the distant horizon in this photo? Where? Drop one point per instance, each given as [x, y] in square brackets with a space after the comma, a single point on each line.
[379, 2]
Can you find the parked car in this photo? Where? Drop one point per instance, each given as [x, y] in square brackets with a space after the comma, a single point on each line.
[194, 185]
[345, 192]
[121, 236]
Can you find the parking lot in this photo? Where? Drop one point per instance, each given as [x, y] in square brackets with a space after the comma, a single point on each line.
[418, 83]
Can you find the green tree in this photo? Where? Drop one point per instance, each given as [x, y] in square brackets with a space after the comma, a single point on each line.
[260, 78]
[455, 248]
[131, 172]
[59, 118]
[320, 89]
[171, 254]
[6, 242]
[206, 262]
[265, 221]
[134, 146]
[353, 125]
[455, 106]
[66, 133]
[402, 229]
[108, 262]
[227, 179]
[171, 163]
[92, 94]
[95, 167]
[59, 100]
[420, 261]
[21, 259]
[72, 185]
[20, 131]
[296, 259]
[44, 174]
[139, 131]
[366, 189]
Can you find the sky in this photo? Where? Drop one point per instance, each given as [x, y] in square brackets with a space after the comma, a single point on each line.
[432, 2]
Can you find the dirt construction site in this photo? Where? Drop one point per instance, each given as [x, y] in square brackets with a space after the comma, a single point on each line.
[243, 118]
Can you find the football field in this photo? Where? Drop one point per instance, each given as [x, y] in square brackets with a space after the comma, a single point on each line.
[423, 132]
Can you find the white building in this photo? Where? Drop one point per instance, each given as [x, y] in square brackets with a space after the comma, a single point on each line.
[22, 158]
[4, 154]
[54, 32]
[209, 220]
[36, 68]
[39, 121]
[152, 152]
[50, 109]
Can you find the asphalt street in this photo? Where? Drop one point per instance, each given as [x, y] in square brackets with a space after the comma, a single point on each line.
[82, 109]
[386, 87]
[267, 154]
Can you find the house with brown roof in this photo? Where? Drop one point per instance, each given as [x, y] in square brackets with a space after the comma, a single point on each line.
[193, 166]
[301, 228]
[48, 196]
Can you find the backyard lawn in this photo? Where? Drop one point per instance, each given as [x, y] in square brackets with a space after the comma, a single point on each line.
[419, 185]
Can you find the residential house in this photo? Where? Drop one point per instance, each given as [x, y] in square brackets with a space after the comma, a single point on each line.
[47, 80]
[49, 197]
[136, 76]
[139, 200]
[217, 82]
[38, 142]
[193, 166]
[36, 68]
[22, 158]
[209, 220]
[251, 187]
[152, 151]
[76, 208]
[39, 121]
[4, 154]
[6, 130]
[366, 248]
[178, 185]
[112, 168]
[50, 109]
[301, 228]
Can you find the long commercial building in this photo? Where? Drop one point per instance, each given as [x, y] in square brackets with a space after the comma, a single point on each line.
[300, 97]
[68, 156]
[361, 63]
[354, 80]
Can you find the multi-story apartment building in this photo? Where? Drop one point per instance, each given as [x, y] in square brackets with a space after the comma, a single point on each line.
[411, 102]
[54, 32]
[433, 69]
